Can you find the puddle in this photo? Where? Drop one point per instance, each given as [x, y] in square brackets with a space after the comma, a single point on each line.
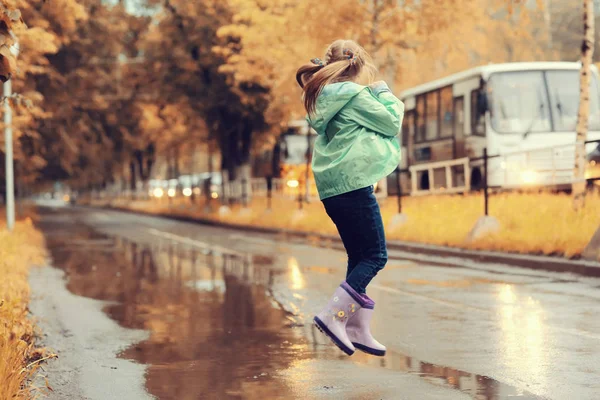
[477, 386]
[215, 330]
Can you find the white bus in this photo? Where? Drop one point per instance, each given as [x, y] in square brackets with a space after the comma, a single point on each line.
[524, 112]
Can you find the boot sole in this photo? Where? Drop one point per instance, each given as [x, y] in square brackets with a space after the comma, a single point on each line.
[369, 350]
[323, 328]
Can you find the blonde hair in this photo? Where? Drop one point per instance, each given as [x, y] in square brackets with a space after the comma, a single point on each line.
[345, 60]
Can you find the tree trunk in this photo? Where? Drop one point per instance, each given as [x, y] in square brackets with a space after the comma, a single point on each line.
[374, 31]
[169, 164]
[145, 161]
[234, 153]
[176, 169]
[132, 178]
[245, 166]
[224, 186]
[139, 159]
[276, 160]
[225, 168]
[192, 171]
[245, 176]
[587, 52]
[548, 24]
[150, 158]
[208, 182]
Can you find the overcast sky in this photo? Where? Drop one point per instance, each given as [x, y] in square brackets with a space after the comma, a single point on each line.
[133, 6]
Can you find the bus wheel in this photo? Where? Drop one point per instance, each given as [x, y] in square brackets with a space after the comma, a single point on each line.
[424, 182]
[476, 180]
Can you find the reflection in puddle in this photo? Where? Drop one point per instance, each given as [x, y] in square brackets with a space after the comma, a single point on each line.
[477, 386]
[524, 333]
[215, 330]
[296, 278]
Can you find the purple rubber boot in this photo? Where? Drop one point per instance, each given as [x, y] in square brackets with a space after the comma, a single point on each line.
[359, 331]
[344, 304]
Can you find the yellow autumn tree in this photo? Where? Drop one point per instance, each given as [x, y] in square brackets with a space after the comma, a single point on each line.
[412, 42]
[9, 15]
[84, 120]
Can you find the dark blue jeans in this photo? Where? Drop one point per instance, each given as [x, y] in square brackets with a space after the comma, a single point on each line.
[358, 220]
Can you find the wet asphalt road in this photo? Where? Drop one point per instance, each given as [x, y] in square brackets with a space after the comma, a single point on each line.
[227, 315]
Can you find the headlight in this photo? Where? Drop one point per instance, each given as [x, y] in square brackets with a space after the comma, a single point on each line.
[171, 192]
[529, 177]
[293, 183]
[187, 192]
[158, 193]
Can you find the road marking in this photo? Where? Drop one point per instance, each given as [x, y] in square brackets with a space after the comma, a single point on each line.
[102, 216]
[252, 239]
[195, 243]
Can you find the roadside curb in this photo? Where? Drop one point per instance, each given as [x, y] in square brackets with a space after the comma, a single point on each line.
[412, 250]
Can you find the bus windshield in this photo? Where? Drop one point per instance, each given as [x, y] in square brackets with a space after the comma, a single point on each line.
[519, 101]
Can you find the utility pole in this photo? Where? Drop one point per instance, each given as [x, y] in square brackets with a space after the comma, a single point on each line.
[8, 156]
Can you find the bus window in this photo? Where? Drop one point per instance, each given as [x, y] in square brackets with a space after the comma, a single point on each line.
[477, 116]
[447, 116]
[563, 87]
[420, 134]
[433, 115]
[519, 103]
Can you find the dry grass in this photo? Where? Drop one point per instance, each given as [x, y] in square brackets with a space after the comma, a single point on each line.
[19, 357]
[534, 223]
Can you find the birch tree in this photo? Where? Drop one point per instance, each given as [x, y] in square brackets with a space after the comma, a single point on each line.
[587, 53]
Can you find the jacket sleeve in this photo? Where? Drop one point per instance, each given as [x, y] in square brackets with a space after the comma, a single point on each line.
[381, 113]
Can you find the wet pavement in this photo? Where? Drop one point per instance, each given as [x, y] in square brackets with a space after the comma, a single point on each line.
[228, 316]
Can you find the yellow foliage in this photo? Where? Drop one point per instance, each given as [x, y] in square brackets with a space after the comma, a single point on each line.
[18, 251]
[8, 51]
[412, 43]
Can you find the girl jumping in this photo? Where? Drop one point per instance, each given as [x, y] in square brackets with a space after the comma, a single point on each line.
[356, 147]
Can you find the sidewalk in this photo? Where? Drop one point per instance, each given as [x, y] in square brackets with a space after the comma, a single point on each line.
[20, 355]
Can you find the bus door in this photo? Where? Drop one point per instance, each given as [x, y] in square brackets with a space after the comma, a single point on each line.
[460, 149]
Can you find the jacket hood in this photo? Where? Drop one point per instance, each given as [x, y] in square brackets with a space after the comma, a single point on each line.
[332, 99]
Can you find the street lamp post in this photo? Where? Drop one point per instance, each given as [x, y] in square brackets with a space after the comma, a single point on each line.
[8, 156]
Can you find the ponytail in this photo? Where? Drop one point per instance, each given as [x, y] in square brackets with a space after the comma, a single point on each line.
[344, 61]
[333, 72]
[306, 72]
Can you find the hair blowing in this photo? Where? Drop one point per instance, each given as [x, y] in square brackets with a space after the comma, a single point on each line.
[344, 61]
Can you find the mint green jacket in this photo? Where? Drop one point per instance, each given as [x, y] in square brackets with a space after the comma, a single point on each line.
[357, 144]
